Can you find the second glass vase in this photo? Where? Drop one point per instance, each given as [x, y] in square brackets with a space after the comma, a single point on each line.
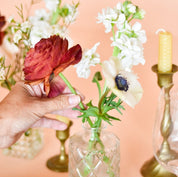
[94, 152]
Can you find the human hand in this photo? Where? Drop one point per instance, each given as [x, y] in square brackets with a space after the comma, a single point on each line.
[25, 106]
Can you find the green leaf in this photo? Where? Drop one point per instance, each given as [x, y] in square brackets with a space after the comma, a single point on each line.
[106, 119]
[97, 77]
[111, 117]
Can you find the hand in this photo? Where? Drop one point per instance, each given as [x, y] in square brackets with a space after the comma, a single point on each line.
[25, 106]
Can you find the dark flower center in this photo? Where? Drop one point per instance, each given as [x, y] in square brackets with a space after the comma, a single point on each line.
[121, 83]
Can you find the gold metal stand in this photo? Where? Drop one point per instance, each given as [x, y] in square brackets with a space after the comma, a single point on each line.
[59, 163]
[152, 168]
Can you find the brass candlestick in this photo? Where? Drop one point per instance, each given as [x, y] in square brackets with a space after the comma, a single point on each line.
[59, 163]
[152, 168]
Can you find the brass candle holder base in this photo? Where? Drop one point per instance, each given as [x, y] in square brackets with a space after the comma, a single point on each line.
[152, 168]
[59, 163]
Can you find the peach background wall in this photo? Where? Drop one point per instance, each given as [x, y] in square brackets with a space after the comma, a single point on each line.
[135, 129]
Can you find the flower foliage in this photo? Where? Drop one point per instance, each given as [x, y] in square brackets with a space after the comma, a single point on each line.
[42, 40]
[120, 81]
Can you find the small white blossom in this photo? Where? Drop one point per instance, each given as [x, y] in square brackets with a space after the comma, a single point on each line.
[131, 51]
[119, 6]
[131, 8]
[40, 30]
[89, 58]
[121, 21]
[142, 13]
[139, 14]
[25, 26]
[9, 47]
[2, 73]
[140, 33]
[17, 36]
[10, 19]
[72, 15]
[62, 32]
[51, 4]
[40, 15]
[108, 17]
[123, 28]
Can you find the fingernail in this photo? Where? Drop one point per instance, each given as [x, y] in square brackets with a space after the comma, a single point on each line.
[74, 99]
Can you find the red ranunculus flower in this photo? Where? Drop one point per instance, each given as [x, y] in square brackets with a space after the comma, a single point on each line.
[49, 57]
[2, 23]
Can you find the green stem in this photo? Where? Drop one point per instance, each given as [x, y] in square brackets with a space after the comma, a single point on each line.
[99, 88]
[113, 32]
[101, 99]
[74, 92]
[115, 49]
[105, 87]
[130, 19]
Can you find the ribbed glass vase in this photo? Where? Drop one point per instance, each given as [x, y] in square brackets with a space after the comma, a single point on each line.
[28, 146]
[94, 152]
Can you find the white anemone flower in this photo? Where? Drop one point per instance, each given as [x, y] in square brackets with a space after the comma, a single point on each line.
[89, 58]
[122, 83]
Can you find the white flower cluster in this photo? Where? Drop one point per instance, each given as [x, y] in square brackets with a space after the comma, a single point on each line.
[89, 58]
[128, 39]
[44, 23]
[127, 42]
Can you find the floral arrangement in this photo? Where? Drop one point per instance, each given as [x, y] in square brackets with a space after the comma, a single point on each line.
[43, 42]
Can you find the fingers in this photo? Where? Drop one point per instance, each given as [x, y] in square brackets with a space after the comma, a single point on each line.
[36, 90]
[48, 123]
[60, 102]
[72, 114]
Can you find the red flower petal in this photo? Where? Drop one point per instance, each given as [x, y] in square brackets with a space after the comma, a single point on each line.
[57, 87]
[49, 56]
[2, 23]
[71, 57]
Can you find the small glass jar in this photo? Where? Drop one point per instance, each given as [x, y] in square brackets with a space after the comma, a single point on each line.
[28, 146]
[94, 152]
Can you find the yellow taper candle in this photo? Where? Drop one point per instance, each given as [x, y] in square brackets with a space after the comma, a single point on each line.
[165, 52]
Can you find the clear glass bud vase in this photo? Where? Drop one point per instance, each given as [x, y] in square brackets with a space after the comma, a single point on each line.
[28, 146]
[94, 152]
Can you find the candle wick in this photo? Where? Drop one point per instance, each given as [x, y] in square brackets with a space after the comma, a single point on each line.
[159, 30]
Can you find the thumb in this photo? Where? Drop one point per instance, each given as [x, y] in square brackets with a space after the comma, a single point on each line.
[65, 101]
